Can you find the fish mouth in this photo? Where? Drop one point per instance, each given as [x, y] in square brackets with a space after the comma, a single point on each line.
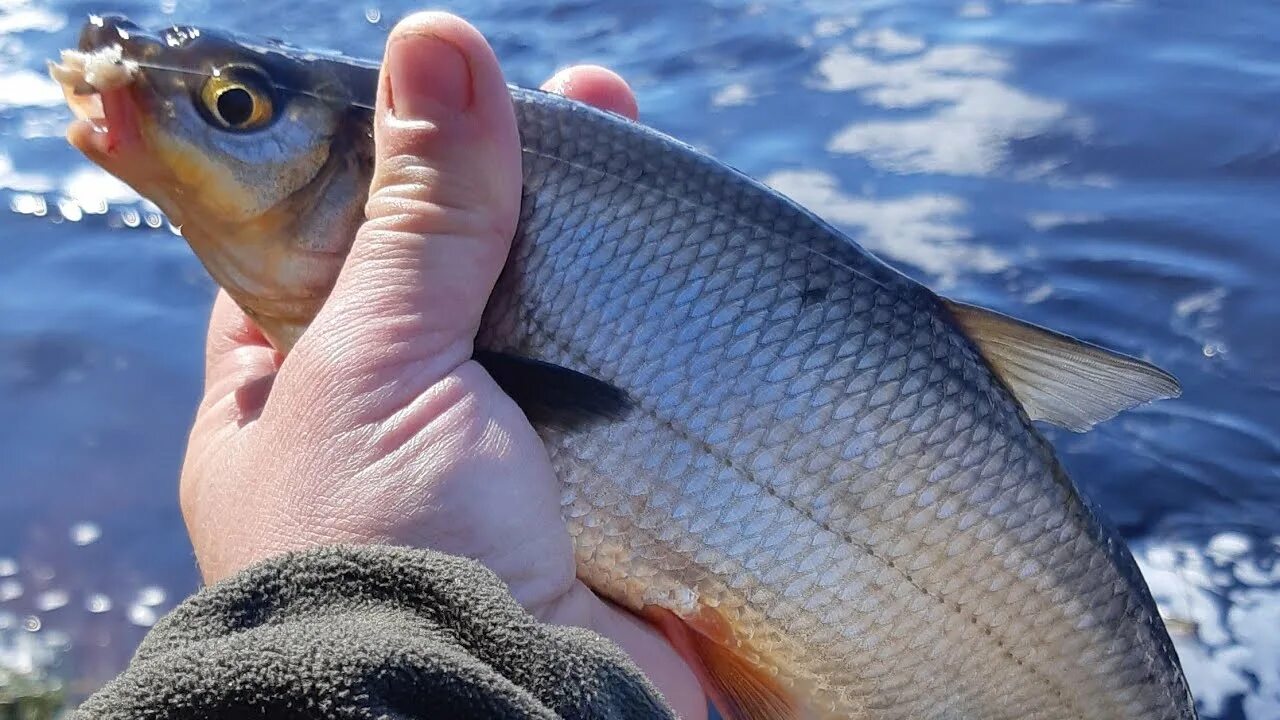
[97, 81]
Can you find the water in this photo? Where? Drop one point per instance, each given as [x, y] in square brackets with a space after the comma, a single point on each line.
[1108, 169]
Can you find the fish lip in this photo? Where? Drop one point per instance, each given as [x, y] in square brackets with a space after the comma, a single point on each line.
[99, 80]
[99, 88]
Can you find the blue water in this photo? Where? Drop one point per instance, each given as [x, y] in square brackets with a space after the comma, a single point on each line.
[1108, 169]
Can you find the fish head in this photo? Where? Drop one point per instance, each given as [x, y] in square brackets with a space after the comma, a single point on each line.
[259, 152]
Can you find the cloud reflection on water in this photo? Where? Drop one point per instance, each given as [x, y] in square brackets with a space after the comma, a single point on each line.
[19, 16]
[889, 41]
[13, 179]
[922, 230]
[26, 88]
[1220, 597]
[732, 95]
[951, 110]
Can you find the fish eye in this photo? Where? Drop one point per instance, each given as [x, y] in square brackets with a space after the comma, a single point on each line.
[237, 98]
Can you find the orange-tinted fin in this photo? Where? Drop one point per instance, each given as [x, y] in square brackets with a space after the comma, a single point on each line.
[740, 689]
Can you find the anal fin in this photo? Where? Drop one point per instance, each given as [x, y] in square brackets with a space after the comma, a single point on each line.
[739, 689]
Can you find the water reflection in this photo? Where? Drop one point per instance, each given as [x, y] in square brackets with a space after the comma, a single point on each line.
[1199, 317]
[949, 109]
[18, 16]
[975, 10]
[51, 600]
[889, 42]
[62, 598]
[1223, 600]
[922, 230]
[31, 182]
[24, 88]
[732, 95]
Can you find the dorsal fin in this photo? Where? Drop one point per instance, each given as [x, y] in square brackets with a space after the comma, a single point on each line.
[740, 689]
[1058, 378]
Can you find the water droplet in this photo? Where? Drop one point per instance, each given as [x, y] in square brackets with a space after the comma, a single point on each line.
[31, 623]
[52, 600]
[8, 566]
[10, 590]
[97, 603]
[372, 14]
[142, 615]
[130, 217]
[154, 220]
[85, 533]
[151, 596]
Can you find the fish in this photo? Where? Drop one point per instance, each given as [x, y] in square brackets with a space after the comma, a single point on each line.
[822, 481]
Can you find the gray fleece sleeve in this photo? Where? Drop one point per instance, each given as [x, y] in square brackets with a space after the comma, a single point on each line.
[369, 632]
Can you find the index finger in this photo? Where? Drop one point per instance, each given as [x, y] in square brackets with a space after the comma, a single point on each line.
[237, 357]
[595, 85]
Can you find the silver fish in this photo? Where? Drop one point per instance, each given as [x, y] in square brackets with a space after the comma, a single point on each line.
[821, 479]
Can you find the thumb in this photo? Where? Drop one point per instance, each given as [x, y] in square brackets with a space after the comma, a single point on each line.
[442, 208]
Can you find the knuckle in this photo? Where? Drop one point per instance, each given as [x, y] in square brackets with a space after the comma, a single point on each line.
[408, 191]
[397, 226]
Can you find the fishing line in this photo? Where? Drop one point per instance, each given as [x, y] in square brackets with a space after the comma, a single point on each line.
[331, 99]
[336, 100]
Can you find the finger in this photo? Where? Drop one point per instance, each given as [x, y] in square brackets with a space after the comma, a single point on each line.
[229, 330]
[239, 364]
[442, 209]
[596, 86]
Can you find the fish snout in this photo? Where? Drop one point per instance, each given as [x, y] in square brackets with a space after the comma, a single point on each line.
[103, 31]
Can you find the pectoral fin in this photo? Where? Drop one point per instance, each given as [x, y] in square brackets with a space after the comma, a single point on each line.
[1058, 378]
[555, 396]
[740, 689]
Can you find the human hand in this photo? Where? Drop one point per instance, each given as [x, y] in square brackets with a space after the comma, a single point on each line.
[378, 427]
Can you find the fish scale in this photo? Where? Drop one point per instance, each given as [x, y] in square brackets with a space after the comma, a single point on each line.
[927, 509]
[817, 477]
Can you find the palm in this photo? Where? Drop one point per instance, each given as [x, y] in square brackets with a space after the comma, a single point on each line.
[461, 471]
